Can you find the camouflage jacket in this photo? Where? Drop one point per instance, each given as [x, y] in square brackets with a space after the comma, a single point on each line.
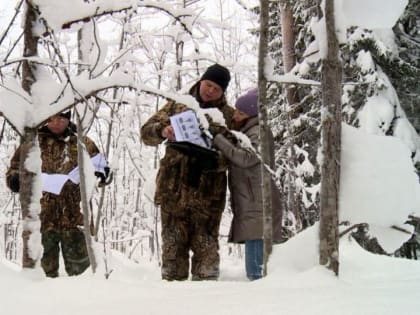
[59, 156]
[187, 180]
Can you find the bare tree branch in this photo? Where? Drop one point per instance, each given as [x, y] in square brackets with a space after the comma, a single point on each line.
[17, 10]
[110, 12]
[349, 229]
[400, 229]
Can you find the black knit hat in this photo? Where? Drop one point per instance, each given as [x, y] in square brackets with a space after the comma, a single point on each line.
[65, 114]
[217, 74]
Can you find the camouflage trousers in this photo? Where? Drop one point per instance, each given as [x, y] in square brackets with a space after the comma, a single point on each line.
[73, 247]
[195, 231]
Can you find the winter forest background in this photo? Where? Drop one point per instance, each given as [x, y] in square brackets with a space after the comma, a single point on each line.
[116, 62]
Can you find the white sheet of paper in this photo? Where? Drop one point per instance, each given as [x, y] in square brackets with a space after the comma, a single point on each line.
[74, 175]
[53, 183]
[186, 128]
[99, 163]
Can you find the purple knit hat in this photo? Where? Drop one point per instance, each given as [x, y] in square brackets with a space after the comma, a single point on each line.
[248, 103]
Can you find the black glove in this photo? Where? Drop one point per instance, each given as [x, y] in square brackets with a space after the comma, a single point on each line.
[104, 178]
[13, 183]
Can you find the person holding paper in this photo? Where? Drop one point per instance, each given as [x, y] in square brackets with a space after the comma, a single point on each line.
[245, 184]
[60, 215]
[191, 185]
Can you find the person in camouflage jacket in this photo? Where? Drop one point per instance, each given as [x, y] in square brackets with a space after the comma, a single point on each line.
[190, 187]
[60, 216]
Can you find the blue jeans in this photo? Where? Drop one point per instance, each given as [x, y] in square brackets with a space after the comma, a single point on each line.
[254, 259]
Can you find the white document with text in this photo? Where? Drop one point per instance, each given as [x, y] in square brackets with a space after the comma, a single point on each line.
[187, 128]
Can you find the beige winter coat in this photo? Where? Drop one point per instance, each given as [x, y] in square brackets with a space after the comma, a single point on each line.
[245, 187]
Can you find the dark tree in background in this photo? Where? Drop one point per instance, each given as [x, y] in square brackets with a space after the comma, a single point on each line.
[264, 148]
[331, 146]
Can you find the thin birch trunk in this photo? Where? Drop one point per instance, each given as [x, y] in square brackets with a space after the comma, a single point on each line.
[29, 141]
[83, 194]
[86, 209]
[108, 141]
[26, 180]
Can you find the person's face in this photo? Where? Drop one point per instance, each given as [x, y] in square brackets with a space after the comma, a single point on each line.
[210, 91]
[238, 120]
[57, 124]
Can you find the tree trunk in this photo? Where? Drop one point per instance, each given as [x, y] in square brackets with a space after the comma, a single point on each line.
[331, 146]
[179, 49]
[83, 36]
[289, 61]
[108, 140]
[30, 49]
[29, 143]
[264, 148]
[288, 48]
[30, 215]
[83, 194]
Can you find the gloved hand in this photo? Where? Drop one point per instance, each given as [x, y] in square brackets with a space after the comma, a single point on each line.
[104, 178]
[215, 129]
[13, 183]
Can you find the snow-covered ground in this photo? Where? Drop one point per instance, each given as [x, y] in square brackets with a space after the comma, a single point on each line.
[379, 187]
[296, 284]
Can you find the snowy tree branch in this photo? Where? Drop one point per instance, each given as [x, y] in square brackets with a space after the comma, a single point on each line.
[99, 13]
[6, 31]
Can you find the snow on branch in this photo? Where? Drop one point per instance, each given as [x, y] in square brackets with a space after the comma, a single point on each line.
[54, 97]
[74, 12]
[289, 78]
